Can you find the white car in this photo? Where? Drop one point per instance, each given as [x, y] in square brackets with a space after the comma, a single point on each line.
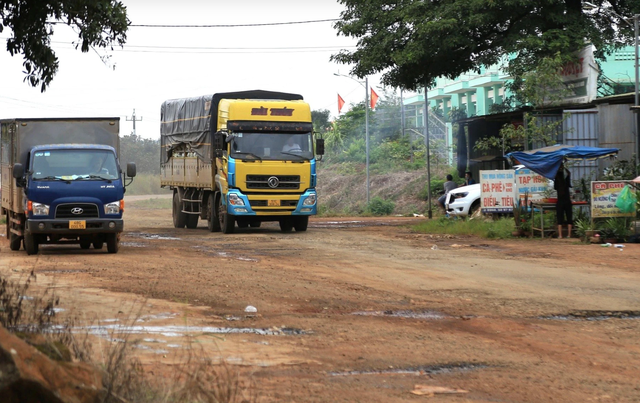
[464, 200]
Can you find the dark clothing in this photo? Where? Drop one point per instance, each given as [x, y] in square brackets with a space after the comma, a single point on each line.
[469, 181]
[564, 209]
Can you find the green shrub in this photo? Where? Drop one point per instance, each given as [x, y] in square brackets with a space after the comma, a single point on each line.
[379, 207]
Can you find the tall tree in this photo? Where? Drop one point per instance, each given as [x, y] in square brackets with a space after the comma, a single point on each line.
[98, 23]
[415, 41]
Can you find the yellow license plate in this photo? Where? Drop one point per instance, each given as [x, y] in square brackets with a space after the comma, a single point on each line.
[79, 224]
[274, 203]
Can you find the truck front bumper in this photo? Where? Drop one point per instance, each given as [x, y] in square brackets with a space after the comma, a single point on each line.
[61, 226]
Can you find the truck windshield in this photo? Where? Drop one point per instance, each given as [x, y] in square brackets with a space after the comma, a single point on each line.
[272, 146]
[74, 164]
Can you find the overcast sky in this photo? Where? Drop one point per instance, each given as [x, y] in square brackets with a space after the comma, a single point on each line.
[164, 63]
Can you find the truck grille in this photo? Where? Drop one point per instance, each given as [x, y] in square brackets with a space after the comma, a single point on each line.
[263, 182]
[88, 210]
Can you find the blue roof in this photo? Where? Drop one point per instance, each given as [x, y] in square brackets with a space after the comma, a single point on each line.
[546, 161]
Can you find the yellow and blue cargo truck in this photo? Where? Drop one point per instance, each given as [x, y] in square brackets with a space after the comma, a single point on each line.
[240, 158]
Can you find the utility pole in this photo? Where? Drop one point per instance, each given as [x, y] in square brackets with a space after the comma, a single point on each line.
[134, 120]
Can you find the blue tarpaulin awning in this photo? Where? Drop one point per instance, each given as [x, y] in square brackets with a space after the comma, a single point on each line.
[546, 161]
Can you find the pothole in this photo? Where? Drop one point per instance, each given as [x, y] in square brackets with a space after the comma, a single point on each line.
[224, 254]
[424, 315]
[594, 315]
[420, 370]
[134, 244]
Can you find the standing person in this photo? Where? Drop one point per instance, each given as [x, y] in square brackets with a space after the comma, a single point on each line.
[468, 179]
[449, 185]
[564, 209]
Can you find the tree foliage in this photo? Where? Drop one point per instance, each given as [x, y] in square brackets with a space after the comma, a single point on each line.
[414, 41]
[98, 23]
[144, 152]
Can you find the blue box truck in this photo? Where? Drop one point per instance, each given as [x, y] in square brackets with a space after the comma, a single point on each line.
[62, 182]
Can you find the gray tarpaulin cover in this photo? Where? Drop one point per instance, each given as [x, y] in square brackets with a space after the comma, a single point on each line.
[192, 121]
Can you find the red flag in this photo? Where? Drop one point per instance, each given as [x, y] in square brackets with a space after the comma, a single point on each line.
[340, 103]
[374, 99]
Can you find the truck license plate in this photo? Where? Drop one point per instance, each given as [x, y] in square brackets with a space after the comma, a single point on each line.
[79, 224]
[274, 203]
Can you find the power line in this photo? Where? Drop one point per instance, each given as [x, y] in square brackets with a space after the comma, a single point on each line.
[268, 24]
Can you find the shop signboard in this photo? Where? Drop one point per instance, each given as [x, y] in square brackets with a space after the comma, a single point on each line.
[498, 191]
[531, 183]
[603, 199]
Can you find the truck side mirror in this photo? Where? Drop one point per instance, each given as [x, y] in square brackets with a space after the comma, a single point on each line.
[219, 143]
[18, 171]
[131, 169]
[319, 146]
[18, 174]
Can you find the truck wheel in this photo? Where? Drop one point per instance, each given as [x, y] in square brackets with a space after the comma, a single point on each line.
[301, 223]
[227, 222]
[30, 243]
[113, 243]
[98, 245]
[14, 241]
[85, 244]
[192, 220]
[255, 224]
[286, 225]
[179, 218]
[212, 222]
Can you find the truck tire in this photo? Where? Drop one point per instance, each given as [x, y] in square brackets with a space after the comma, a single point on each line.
[227, 222]
[30, 243]
[255, 224]
[301, 223]
[192, 220]
[179, 218]
[212, 221]
[85, 244]
[14, 241]
[113, 243]
[286, 224]
[98, 245]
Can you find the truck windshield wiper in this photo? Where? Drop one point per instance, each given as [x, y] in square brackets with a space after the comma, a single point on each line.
[52, 178]
[93, 177]
[296, 155]
[251, 154]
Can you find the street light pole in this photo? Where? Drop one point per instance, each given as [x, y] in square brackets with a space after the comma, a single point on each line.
[426, 140]
[635, 32]
[366, 121]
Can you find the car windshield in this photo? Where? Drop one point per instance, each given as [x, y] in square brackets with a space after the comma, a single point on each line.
[74, 164]
[272, 146]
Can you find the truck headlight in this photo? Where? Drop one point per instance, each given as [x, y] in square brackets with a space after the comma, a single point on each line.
[310, 200]
[40, 209]
[235, 200]
[112, 208]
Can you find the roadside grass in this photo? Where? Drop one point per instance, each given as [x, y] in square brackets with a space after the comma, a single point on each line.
[196, 379]
[146, 184]
[152, 204]
[492, 229]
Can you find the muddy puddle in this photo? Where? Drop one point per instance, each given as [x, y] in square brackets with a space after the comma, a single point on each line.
[420, 370]
[113, 332]
[594, 315]
[224, 254]
[423, 315]
[145, 235]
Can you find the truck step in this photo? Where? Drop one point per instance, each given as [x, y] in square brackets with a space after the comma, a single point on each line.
[192, 201]
[190, 212]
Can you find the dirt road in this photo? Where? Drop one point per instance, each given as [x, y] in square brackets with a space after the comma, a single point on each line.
[362, 310]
